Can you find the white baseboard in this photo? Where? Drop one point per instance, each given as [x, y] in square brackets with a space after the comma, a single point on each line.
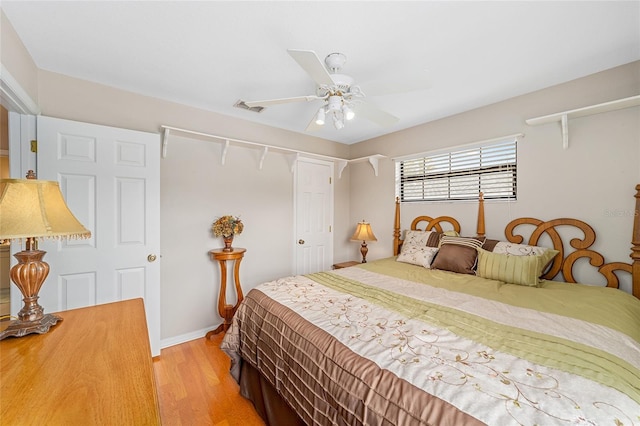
[176, 340]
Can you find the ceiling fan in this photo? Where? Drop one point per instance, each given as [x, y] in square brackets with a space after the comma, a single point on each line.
[342, 100]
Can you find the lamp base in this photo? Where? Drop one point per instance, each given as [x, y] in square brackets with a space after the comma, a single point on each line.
[364, 250]
[20, 328]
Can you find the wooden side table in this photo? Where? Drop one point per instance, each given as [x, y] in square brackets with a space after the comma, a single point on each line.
[225, 310]
[345, 264]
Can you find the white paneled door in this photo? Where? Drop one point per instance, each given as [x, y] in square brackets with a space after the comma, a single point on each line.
[110, 178]
[314, 215]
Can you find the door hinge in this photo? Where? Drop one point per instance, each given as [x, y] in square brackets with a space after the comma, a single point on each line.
[34, 146]
[329, 180]
[329, 228]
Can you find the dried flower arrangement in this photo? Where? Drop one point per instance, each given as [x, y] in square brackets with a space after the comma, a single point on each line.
[227, 226]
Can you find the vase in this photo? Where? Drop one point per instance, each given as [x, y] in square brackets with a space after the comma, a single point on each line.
[227, 243]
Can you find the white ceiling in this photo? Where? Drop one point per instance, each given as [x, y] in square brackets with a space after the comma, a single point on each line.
[209, 54]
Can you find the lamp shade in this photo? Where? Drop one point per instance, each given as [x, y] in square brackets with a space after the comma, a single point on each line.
[36, 208]
[363, 232]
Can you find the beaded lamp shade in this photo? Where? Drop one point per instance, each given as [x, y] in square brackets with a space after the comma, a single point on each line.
[32, 209]
[36, 208]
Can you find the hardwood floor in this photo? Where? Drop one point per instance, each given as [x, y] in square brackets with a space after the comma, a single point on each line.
[195, 387]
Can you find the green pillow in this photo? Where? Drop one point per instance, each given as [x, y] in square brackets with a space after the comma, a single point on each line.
[521, 270]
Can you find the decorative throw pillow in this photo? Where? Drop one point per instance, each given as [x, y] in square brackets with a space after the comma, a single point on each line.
[415, 239]
[421, 256]
[457, 254]
[489, 244]
[513, 249]
[514, 269]
[505, 247]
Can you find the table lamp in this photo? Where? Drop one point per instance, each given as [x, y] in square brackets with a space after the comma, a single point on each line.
[32, 209]
[364, 233]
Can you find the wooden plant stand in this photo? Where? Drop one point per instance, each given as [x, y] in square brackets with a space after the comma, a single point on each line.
[225, 310]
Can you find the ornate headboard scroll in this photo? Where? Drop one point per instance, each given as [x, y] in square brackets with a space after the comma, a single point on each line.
[567, 258]
[434, 223]
[578, 247]
[430, 224]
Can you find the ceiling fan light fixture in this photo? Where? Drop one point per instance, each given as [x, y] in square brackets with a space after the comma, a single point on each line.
[337, 122]
[335, 61]
[320, 117]
[337, 91]
[334, 103]
[347, 112]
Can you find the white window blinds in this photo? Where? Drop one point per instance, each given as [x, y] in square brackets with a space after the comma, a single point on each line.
[461, 174]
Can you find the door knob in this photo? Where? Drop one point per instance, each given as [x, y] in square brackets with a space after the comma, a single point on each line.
[151, 258]
[300, 242]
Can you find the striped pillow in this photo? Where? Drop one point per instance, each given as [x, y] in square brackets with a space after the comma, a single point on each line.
[457, 254]
[521, 270]
[472, 242]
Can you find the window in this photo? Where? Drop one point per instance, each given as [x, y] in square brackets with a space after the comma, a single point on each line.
[461, 174]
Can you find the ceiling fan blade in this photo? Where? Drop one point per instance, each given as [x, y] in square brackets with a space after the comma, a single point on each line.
[282, 101]
[374, 114]
[310, 62]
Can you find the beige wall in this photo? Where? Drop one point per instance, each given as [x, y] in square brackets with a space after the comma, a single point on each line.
[16, 59]
[592, 180]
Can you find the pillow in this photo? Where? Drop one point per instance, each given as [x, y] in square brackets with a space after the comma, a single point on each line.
[505, 247]
[421, 256]
[457, 254]
[514, 269]
[490, 244]
[513, 249]
[415, 239]
[420, 239]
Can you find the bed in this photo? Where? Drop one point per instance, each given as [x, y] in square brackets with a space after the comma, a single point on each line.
[451, 330]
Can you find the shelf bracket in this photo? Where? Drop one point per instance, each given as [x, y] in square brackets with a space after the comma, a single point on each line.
[564, 122]
[165, 142]
[225, 149]
[292, 160]
[341, 165]
[373, 160]
[265, 150]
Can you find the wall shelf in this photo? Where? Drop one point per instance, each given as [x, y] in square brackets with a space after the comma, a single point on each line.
[293, 154]
[563, 117]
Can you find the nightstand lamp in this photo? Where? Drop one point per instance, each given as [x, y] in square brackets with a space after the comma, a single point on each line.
[32, 209]
[364, 233]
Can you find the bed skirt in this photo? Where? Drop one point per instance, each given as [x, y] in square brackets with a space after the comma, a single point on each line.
[269, 405]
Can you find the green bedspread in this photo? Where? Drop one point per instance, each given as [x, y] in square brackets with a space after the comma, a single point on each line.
[606, 307]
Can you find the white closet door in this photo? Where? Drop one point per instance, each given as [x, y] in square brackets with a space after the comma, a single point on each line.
[314, 215]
